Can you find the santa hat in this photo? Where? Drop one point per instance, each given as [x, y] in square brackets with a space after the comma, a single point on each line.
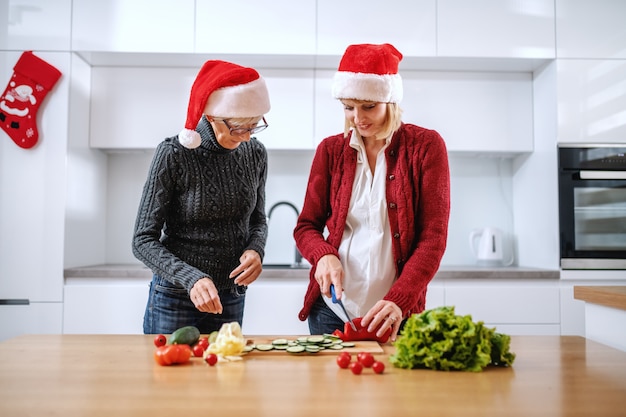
[369, 72]
[225, 90]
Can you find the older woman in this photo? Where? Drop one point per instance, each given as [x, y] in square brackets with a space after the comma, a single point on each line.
[201, 225]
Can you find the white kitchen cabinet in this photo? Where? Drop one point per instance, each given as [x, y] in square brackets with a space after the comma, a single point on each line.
[32, 187]
[591, 98]
[105, 305]
[291, 115]
[133, 26]
[272, 306]
[495, 28]
[435, 295]
[511, 306]
[473, 111]
[138, 107]
[408, 25]
[590, 29]
[40, 25]
[255, 27]
[34, 318]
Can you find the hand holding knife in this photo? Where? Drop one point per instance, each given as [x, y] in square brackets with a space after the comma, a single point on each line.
[338, 301]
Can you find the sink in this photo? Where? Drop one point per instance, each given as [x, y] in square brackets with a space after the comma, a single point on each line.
[286, 266]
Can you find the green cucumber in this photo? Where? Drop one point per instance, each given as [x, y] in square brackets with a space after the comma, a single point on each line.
[188, 335]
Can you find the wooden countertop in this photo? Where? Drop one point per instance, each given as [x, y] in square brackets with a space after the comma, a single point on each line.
[608, 296]
[115, 375]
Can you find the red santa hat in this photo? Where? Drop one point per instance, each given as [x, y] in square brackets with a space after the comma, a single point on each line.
[225, 90]
[369, 72]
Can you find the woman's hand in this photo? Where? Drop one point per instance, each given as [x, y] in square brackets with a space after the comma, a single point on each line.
[384, 315]
[205, 297]
[249, 269]
[329, 271]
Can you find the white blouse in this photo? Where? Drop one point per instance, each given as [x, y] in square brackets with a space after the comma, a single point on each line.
[365, 250]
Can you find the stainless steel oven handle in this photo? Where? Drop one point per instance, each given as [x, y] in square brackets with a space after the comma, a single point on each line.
[603, 175]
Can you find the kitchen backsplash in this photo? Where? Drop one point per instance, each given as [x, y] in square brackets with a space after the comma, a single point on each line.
[481, 196]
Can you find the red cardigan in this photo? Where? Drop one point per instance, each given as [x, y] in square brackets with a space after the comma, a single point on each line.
[418, 200]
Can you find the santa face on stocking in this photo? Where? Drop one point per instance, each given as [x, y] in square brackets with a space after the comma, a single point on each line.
[29, 85]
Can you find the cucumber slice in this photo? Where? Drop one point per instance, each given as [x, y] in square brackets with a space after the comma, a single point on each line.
[248, 348]
[348, 344]
[336, 346]
[280, 342]
[295, 349]
[264, 347]
[312, 349]
[315, 339]
[281, 347]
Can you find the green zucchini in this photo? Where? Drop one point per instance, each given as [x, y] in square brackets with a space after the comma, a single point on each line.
[188, 335]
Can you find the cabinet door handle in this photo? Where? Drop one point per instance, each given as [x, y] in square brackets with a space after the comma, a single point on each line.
[14, 301]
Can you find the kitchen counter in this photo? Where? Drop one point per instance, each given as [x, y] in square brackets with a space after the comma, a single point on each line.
[608, 296]
[115, 375]
[445, 272]
[605, 313]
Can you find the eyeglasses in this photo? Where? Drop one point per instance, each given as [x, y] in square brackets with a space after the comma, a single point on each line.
[237, 131]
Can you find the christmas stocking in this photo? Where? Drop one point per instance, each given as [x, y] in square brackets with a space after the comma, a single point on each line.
[32, 79]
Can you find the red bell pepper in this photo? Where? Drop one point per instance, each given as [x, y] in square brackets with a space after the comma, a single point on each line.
[361, 333]
[172, 354]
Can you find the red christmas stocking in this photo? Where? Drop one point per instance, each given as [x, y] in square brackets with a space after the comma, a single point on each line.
[32, 79]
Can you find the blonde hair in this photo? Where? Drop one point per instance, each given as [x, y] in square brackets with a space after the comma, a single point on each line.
[393, 120]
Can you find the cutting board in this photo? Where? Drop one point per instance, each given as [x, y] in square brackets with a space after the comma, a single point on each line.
[359, 346]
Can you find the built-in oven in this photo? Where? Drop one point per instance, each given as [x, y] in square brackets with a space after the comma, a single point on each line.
[592, 206]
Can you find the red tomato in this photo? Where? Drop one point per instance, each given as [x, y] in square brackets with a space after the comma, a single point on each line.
[378, 367]
[366, 359]
[356, 368]
[343, 360]
[160, 340]
[211, 359]
[204, 342]
[197, 350]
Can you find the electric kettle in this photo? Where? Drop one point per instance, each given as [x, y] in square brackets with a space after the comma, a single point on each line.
[486, 244]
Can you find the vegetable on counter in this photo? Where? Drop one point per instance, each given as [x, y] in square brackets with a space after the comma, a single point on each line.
[441, 340]
[172, 354]
[360, 333]
[229, 342]
[188, 335]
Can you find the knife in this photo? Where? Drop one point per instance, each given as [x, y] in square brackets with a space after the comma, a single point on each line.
[337, 301]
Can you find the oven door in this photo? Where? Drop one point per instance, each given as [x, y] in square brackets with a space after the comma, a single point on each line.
[592, 216]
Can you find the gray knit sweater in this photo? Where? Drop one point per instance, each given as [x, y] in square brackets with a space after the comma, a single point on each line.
[201, 209]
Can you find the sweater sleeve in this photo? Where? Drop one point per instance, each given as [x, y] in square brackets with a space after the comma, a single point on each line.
[420, 257]
[151, 217]
[309, 229]
[258, 219]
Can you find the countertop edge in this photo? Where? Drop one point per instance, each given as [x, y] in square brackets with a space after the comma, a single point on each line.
[608, 296]
[445, 272]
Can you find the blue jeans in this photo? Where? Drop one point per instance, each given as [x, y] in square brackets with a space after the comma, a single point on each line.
[169, 308]
[322, 320]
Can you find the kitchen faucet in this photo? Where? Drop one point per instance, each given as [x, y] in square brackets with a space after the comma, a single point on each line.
[298, 255]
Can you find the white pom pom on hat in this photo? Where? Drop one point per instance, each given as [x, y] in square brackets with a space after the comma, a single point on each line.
[226, 90]
[369, 72]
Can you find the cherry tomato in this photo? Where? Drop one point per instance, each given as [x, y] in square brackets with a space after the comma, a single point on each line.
[366, 359]
[343, 360]
[378, 367]
[204, 342]
[160, 340]
[197, 350]
[211, 359]
[356, 368]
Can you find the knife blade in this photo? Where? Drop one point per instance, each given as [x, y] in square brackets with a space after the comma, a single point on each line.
[338, 301]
